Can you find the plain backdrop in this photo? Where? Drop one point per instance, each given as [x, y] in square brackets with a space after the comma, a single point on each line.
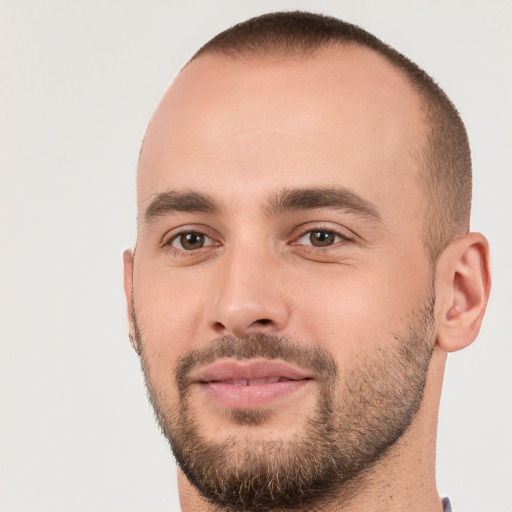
[78, 83]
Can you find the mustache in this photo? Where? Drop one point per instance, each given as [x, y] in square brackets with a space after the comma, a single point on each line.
[255, 346]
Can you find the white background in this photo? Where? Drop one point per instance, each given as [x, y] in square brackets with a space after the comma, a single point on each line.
[78, 83]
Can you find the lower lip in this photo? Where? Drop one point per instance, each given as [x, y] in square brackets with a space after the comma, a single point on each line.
[251, 397]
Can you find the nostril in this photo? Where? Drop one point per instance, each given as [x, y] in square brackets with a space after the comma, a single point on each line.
[218, 327]
[240, 325]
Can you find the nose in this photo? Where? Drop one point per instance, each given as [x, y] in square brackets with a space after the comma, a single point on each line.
[248, 296]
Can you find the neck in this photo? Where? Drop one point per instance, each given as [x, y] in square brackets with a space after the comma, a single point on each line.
[403, 480]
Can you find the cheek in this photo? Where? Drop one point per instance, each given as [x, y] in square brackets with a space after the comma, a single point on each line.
[167, 322]
[346, 309]
[168, 311]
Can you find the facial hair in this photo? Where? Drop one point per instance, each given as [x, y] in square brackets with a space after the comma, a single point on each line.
[357, 418]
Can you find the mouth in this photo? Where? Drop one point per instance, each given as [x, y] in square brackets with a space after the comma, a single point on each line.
[250, 384]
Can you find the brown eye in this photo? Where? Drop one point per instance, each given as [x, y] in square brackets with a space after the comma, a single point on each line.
[322, 238]
[190, 241]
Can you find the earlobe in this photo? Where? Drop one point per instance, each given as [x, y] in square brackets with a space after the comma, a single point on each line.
[128, 291]
[463, 280]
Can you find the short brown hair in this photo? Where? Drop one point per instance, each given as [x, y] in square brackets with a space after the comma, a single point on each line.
[446, 159]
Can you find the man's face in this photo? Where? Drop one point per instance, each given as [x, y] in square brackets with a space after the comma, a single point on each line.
[281, 290]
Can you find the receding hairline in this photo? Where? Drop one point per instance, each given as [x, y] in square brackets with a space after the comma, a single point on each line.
[302, 34]
[314, 48]
[445, 154]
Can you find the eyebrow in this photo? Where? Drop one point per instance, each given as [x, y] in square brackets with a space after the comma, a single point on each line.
[174, 201]
[338, 198]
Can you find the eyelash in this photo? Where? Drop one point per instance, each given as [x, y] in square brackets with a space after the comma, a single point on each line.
[169, 241]
[343, 238]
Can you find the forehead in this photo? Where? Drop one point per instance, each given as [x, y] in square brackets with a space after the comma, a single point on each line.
[252, 125]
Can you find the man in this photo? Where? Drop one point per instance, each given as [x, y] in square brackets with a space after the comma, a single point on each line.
[303, 265]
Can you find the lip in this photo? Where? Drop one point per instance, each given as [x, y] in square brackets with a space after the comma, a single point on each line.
[249, 384]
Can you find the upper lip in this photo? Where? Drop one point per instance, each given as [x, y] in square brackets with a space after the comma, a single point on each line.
[236, 372]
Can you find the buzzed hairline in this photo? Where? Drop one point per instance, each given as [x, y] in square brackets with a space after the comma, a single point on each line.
[445, 159]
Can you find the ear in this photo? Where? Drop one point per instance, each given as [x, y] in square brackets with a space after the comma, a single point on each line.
[128, 291]
[463, 283]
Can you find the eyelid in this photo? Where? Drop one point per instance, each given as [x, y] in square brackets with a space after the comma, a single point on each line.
[207, 241]
[201, 229]
[344, 234]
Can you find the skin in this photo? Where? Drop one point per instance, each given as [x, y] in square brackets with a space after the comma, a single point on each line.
[241, 131]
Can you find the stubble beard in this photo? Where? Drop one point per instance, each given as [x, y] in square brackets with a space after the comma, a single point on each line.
[355, 421]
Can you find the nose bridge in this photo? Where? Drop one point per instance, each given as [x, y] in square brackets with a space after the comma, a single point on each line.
[248, 294]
